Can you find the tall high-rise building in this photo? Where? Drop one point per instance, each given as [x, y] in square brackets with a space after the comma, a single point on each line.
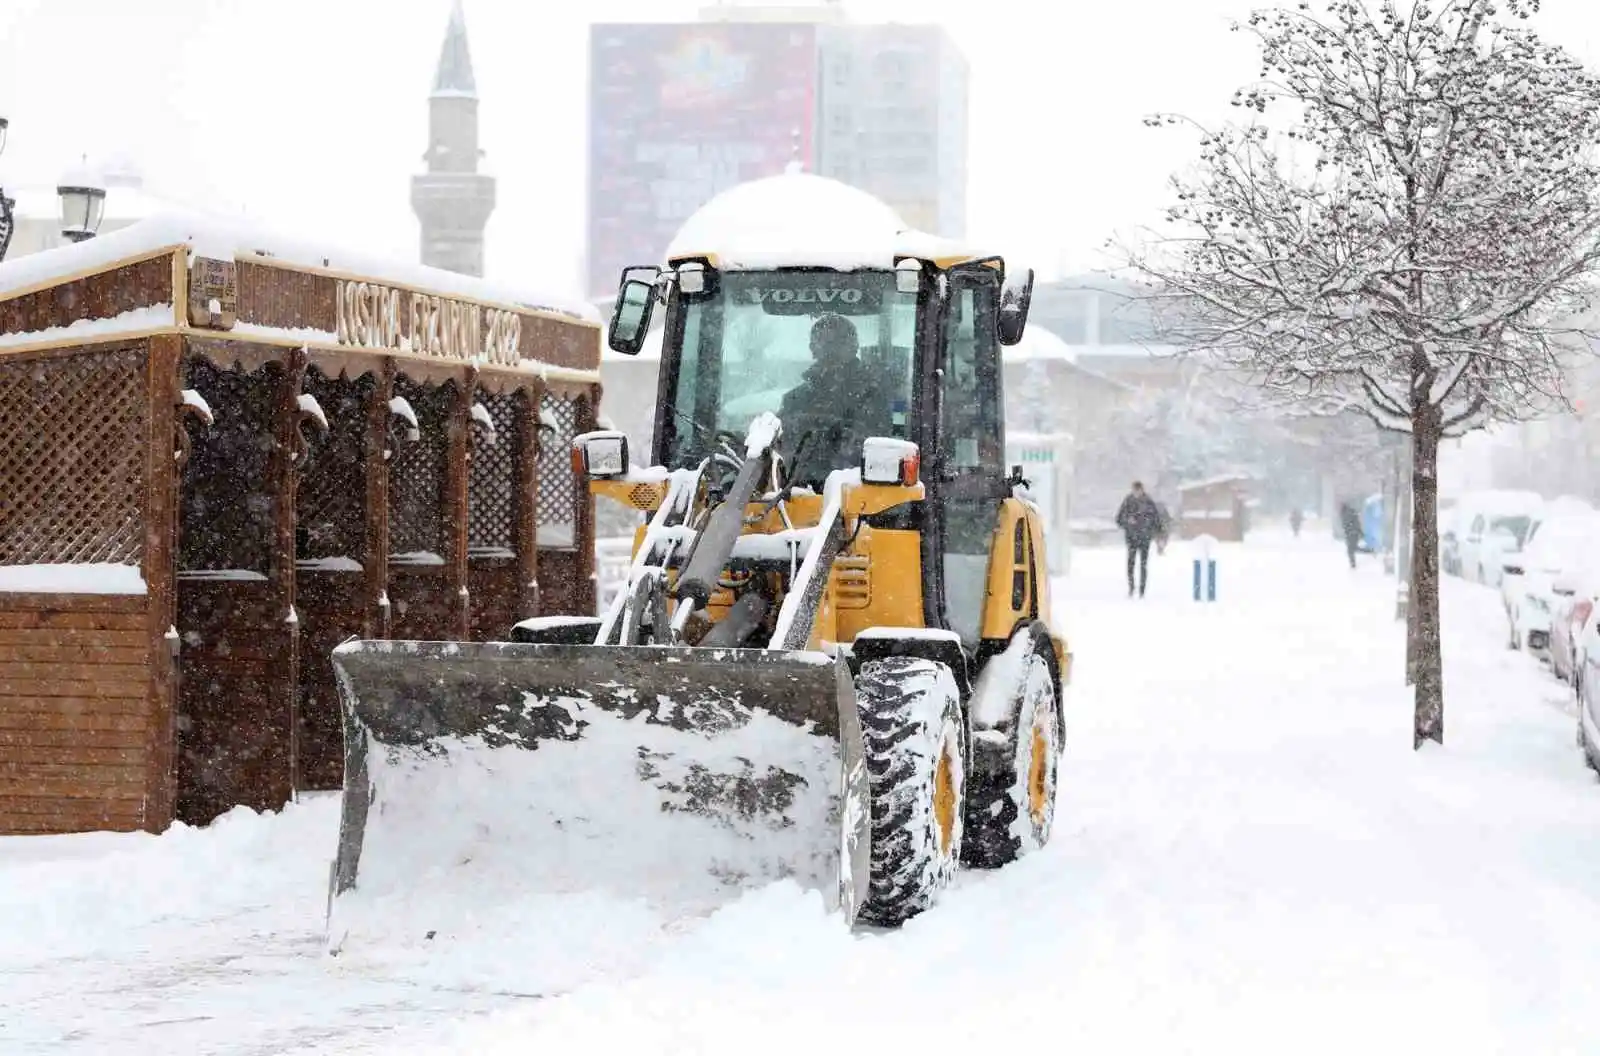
[679, 112]
[893, 119]
[452, 199]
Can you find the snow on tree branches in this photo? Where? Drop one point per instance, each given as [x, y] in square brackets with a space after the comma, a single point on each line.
[1415, 238]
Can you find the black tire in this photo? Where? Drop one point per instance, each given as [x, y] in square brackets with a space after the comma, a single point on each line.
[915, 748]
[1583, 734]
[1011, 792]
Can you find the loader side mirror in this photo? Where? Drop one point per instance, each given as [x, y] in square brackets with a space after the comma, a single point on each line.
[630, 319]
[1016, 297]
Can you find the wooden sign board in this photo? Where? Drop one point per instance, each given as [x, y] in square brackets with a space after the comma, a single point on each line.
[213, 293]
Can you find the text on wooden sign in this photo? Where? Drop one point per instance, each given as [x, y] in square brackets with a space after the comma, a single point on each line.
[375, 316]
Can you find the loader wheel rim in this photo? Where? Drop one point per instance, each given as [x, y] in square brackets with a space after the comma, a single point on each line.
[944, 799]
[1039, 775]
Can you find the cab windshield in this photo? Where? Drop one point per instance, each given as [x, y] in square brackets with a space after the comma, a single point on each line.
[830, 353]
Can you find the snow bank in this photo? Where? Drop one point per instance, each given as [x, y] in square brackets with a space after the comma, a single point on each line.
[72, 579]
[94, 892]
[1245, 844]
[230, 238]
[1248, 856]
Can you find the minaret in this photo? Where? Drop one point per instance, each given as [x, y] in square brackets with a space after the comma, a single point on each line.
[452, 200]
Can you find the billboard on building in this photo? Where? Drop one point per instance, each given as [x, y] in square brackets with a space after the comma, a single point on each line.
[680, 112]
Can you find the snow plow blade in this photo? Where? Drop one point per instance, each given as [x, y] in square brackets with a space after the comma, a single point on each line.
[480, 776]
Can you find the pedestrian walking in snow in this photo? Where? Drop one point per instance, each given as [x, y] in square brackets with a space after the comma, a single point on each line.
[1140, 519]
[1350, 521]
[1296, 518]
[1164, 531]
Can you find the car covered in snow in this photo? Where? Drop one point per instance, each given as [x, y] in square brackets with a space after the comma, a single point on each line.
[1497, 523]
[1569, 622]
[1535, 580]
[1586, 680]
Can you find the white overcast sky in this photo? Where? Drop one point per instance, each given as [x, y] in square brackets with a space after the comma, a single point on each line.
[310, 115]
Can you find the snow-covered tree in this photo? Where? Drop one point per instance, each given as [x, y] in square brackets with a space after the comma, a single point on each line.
[1413, 237]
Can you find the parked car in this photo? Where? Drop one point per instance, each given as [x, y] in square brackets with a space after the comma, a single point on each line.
[1498, 521]
[1568, 622]
[1587, 687]
[1533, 578]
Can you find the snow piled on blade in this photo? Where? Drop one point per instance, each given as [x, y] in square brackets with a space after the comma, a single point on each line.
[466, 841]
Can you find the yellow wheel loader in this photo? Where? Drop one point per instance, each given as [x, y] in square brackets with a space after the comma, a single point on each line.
[833, 660]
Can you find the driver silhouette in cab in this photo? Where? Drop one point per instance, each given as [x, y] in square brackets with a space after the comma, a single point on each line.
[838, 400]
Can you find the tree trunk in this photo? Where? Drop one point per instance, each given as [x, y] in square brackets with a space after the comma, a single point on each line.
[1428, 670]
[1405, 562]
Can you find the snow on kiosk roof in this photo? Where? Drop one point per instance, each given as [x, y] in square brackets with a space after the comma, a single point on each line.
[800, 219]
[222, 453]
[353, 302]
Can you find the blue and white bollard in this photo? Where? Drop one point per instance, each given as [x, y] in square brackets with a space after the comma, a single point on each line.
[1205, 569]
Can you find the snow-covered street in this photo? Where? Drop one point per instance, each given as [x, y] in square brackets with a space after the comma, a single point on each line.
[1248, 857]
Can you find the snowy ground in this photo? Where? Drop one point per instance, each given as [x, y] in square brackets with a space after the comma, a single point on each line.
[1248, 858]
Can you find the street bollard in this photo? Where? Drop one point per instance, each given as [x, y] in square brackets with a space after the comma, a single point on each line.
[1205, 569]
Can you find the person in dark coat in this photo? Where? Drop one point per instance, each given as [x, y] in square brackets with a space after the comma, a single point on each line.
[1140, 520]
[838, 401]
[1350, 522]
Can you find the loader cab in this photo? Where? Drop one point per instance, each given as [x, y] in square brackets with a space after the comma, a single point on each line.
[834, 353]
[911, 353]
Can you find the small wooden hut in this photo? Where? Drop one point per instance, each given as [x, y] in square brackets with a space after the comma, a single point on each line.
[1217, 507]
[220, 455]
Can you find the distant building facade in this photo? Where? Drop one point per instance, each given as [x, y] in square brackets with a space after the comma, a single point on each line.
[453, 199]
[893, 119]
[679, 112]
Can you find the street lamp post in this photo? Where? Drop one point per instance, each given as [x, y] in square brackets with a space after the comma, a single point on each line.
[83, 205]
[7, 206]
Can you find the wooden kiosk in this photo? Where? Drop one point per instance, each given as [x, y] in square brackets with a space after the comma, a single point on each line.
[1214, 507]
[219, 457]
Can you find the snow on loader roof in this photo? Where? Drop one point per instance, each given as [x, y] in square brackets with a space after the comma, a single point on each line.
[800, 219]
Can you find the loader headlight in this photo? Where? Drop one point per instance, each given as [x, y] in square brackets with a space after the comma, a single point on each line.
[888, 460]
[602, 453]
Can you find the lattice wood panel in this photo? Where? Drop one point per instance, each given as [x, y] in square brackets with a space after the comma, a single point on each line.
[227, 503]
[72, 458]
[491, 489]
[330, 501]
[558, 484]
[417, 472]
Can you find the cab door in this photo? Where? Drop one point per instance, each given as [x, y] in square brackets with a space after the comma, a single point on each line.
[968, 478]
